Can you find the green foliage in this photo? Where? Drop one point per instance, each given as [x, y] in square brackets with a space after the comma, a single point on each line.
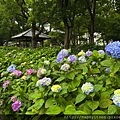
[71, 99]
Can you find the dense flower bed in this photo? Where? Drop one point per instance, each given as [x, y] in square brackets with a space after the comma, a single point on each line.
[50, 82]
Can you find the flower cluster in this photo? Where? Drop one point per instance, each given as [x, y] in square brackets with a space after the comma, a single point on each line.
[29, 71]
[13, 98]
[82, 59]
[87, 88]
[113, 49]
[72, 58]
[88, 53]
[6, 83]
[61, 55]
[11, 68]
[101, 51]
[17, 73]
[16, 105]
[46, 62]
[56, 88]
[41, 71]
[116, 97]
[107, 70]
[81, 53]
[44, 82]
[65, 67]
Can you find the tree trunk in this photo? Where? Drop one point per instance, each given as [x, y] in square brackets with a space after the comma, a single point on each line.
[34, 42]
[67, 37]
[91, 40]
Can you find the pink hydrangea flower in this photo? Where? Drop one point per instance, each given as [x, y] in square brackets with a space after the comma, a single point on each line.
[17, 73]
[13, 98]
[6, 83]
[29, 71]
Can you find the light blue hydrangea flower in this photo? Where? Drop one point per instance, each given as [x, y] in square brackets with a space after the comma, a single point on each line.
[116, 99]
[72, 58]
[101, 51]
[87, 88]
[44, 82]
[82, 59]
[113, 49]
[11, 68]
[61, 55]
[107, 70]
[65, 67]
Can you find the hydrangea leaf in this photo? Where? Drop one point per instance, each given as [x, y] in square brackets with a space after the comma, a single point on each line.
[53, 110]
[80, 97]
[93, 104]
[112, 109]
[50, 102]
[104, 103]
[97, 87]
[69, 110]
[107, 63]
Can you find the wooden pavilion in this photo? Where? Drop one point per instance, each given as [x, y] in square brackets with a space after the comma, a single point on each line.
[24, 39]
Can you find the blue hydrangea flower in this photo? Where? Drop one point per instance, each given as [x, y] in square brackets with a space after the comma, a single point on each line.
[88, 53]
[116, 99]
[87, 88]
[113, 49]
[44, 82]
[61, 55]
[11, 68]
[72, 58]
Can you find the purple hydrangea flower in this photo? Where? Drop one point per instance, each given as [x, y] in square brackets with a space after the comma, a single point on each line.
[6, 83]
[17, 73]
[16, 105]
[61, 55]
[113, 49]
[88, 53]
[72, 58]
[11, 68]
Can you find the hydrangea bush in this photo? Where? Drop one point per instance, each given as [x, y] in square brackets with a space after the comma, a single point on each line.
[62, 84]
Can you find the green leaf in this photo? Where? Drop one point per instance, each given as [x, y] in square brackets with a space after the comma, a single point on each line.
[114, 68]
[95, 70]
[104, 103]
[112, 109]
[38, 104]
[50, 102]
[107, 63]
[105, 95]
[35, 96]
[79, 112]
[71, 75]
[79, 77]
[95, 53]
[61, 78]
[93, 104]
[98, 112]
[70, 109]
[97, 87]
[85, 70]
[80, 97]
[53, 110]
